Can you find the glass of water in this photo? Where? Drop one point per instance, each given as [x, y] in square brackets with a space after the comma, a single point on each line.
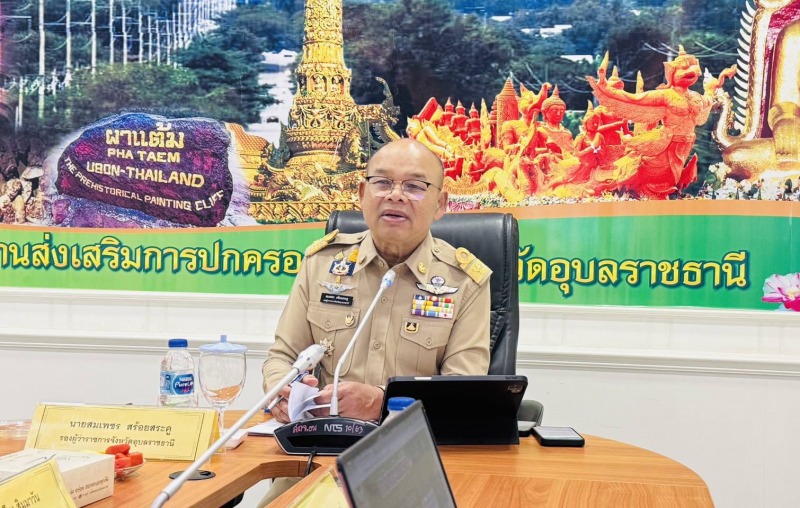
[221, 372]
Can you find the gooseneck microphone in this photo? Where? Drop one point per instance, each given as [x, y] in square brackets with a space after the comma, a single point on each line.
[332, 434]
[386, 282]
[307, 360]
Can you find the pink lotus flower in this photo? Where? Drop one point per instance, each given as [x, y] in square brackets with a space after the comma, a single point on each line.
[784, 289]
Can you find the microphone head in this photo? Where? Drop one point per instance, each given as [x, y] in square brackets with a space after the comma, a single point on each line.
[388, 279]
[310, 357]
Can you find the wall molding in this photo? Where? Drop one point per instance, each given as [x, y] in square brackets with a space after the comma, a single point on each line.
[82, 337]
[276, 302]
[657, 362]
[92, 295]
[628, 313]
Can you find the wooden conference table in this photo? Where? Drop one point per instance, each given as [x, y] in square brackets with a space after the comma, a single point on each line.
[604, 473]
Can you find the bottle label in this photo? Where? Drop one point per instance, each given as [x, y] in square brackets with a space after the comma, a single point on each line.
[176, 383]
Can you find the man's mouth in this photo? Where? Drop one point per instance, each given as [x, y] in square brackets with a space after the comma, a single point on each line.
[394, 216]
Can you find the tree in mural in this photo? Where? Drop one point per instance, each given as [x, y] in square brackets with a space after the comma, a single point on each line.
[222, 64]
[423, 48]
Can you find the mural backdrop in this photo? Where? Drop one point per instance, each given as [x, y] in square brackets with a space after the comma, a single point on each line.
[648, 148]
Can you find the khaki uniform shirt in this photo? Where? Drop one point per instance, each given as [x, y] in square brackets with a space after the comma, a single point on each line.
[338, 281]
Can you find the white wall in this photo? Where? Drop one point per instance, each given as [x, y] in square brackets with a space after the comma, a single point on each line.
[715, 390]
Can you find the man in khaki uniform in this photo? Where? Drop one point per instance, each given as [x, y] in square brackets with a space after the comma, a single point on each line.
[434, 319]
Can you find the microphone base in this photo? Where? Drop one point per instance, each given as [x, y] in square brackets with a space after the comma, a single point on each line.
[197, 475]
[324, 436]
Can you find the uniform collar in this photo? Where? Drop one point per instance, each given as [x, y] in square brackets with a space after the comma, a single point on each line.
[418, 263]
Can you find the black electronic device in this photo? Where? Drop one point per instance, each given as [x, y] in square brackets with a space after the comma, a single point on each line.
[557, 436]
[323, 436]
[468, 410]
[397, 465]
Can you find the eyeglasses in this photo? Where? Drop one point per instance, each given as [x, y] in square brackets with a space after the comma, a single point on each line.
[412, 189]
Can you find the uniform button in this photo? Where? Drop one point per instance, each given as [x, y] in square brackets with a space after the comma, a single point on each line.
[381, 263]
[436, 249]
[429, 342]
[384, 300]
[327, 324]
[376, 345]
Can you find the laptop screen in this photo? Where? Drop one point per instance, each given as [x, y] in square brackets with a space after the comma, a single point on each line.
[396, 465]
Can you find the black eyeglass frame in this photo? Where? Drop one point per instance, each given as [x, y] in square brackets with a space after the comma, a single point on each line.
[402, 183]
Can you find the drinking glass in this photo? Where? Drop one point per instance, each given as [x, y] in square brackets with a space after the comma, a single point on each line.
[222, 369]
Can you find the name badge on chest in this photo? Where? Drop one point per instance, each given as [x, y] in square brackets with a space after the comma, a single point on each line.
[336, 299]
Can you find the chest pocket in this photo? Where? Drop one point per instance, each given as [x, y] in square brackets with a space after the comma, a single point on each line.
[420, 353]
[333, 327]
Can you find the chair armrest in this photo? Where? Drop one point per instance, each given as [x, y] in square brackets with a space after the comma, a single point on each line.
[530, 411]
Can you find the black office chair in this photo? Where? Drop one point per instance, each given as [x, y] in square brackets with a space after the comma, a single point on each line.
[494, 239]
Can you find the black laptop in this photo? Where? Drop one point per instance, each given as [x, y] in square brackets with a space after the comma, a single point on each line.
[465, 410]
[396, 465]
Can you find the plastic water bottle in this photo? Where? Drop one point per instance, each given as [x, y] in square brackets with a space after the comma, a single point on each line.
[177, 376]
[396, 405]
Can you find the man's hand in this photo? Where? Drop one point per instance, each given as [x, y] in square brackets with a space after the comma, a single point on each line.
[281, 410]
[356, 400]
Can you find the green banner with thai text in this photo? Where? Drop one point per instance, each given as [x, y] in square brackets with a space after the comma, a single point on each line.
[716, 254]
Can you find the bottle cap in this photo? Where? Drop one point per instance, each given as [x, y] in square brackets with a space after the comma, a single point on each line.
[178, 343]
[223, 347]
[399, 403]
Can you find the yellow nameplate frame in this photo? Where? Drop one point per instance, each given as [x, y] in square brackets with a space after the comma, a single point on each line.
[325, 491]
[40, 485]
[160, 433]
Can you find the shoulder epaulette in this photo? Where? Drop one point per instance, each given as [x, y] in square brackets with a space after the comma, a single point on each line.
[334, 238]
[320, 244]
[472, 266]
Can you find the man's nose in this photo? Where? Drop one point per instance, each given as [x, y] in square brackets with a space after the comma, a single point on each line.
[398, 195]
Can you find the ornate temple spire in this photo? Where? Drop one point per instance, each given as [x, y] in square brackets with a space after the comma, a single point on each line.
[323, 111]
[319, 163]
[322, 33]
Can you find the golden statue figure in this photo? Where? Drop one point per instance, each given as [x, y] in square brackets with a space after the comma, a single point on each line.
[655, 164]
[553, 110]
[552, 146]
[425, 131]
[592, 151]
[613, 126]
[768, 142]
[473, 126]
[531, 103]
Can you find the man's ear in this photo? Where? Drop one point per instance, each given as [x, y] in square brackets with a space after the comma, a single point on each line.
[443, 197]
[361, 187]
